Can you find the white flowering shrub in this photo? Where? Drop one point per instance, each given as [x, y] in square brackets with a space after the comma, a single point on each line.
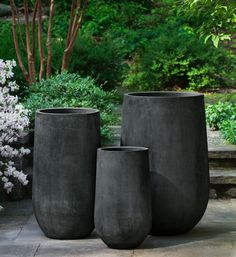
[13, 120]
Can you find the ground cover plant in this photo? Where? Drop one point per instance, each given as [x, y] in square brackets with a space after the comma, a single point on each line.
[228, 130]
[222, 116]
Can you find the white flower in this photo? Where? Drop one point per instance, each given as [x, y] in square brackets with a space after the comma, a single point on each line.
[8, 186]
[13, 120]
[4, 179]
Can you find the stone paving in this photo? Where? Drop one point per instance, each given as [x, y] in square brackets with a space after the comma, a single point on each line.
[214, 236]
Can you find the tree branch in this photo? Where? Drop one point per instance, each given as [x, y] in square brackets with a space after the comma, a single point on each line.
[33, 28]
[28, 44]
[72, 9]
[20, 32]
[49, 39]
[76, 16]
[69, 47]
[40, 43]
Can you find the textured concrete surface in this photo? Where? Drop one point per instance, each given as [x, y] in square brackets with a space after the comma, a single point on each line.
[172, 125]
[123, 197]
[66, 142]
[214, 236]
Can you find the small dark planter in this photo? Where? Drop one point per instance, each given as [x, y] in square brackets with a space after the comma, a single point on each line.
[66, 141]
[123, 200]
[172, 125]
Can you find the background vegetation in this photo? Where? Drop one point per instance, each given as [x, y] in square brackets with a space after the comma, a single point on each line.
[136, 45]
[143, 45]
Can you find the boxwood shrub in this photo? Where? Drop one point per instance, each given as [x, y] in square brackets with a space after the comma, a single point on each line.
[71, 90]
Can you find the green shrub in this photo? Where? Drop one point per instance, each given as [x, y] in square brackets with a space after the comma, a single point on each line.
[104, 16]
[60, 25]
[128, 23]
[176, 58]
[71, 90]
[101, 60]
[220, 113]
[228, 130]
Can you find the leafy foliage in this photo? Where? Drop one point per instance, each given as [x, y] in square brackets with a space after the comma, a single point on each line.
[71, 90]
[121, 21]
[179, 61]
[215, 20]
[219, 113]
[100, 60]
[228, 130]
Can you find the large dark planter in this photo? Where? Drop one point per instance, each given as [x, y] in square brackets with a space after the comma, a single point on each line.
[172, 125]
[66, 141]
[123, 200]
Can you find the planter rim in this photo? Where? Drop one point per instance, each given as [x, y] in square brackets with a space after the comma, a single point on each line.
[164, 94]
[123, 149]
[67, 111]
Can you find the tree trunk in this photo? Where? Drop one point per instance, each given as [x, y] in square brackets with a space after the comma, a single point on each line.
[49, 40]
[40, 41]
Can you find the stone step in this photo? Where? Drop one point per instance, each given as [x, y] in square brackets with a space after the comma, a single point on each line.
[223, 177]
[223, 183]
[222, 157]
[222, 152]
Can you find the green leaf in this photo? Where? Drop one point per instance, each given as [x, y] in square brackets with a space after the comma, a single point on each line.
[215, 39]
[207, 38]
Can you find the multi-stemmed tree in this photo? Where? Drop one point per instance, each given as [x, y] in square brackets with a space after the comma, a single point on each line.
[34, 37]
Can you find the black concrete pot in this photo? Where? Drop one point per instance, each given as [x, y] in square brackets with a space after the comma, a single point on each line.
[172, 125]
[123, 199]
[66, 142]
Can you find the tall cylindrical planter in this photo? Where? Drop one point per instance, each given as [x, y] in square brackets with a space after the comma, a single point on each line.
[66, 141]
[123, 200]
[172, 125]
